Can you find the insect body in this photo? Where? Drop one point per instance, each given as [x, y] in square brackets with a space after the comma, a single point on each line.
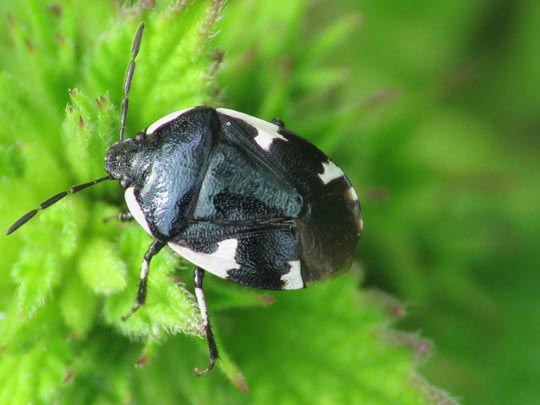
[244, 199]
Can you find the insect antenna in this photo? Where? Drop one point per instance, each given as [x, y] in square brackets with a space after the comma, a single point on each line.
[129, 77]
[52, 200]
[125, 101]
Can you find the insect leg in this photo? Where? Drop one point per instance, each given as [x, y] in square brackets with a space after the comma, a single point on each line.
[212, 348]
[124, 217]
[153, 250]
[120, 217]
[278, 122]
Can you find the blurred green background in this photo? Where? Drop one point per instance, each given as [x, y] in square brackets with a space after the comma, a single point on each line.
[449, 170]
[438, 121]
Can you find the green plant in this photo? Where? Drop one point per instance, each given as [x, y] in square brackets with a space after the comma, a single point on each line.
[69, 276]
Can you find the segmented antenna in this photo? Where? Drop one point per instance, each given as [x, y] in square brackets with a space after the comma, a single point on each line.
[125, 101]
[129, 77]
[52, 200]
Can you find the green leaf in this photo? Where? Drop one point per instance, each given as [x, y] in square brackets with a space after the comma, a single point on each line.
[72, 272]
[101, 268]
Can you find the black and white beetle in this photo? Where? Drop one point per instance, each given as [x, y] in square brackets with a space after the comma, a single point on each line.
[245, 199]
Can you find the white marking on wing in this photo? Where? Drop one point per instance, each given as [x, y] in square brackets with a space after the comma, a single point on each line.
[293, 279]
[217, 263]
[135, 209]
[331, 172]
[350, 195]
[166, 119]
[266, 131]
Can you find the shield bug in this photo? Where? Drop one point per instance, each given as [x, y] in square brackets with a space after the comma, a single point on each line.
[244, 199]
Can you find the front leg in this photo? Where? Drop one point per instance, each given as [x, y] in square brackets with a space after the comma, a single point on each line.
[212, 348]
[153, 250]
[120, 217]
